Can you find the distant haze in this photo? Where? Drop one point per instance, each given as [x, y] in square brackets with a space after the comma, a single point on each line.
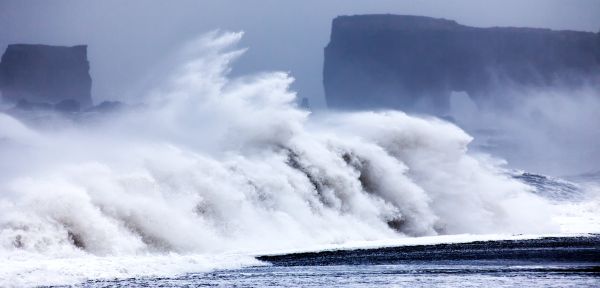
[130, 41]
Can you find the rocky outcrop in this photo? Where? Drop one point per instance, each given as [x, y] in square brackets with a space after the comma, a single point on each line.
[414, 63]
[38, 75]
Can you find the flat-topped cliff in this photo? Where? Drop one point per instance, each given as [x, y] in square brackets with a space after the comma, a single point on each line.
[413, 63]
[46, 75]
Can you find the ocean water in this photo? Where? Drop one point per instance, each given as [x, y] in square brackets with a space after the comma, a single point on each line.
[377, 276]
[545, 262]
[212, 172]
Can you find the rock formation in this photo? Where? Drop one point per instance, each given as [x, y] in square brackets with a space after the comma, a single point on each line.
[414, 63]
[39, 75]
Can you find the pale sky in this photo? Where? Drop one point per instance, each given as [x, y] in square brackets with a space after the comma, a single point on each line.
[130, 39]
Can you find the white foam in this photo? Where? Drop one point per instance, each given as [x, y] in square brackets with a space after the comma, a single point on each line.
[33, 270]
[216, 165]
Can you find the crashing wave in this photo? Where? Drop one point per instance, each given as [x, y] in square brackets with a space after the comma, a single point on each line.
[215, 164]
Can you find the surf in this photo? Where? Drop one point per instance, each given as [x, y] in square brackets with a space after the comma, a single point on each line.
[210, 164]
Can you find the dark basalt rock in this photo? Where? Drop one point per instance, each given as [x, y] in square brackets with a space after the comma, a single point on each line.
[107, 107]
[25, 105]
[67, 106]
[46, 75]
[413, 63]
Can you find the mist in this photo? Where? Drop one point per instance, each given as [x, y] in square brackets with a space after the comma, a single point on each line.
[551, 131]
[217, 163]
[131, 41]
[212, 161]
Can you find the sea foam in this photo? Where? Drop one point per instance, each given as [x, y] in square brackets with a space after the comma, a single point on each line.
[212, 164]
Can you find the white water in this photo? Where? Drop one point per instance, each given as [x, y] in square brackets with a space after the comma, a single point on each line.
[214, 165]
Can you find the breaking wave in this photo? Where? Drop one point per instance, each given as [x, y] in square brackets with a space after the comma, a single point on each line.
[214, 164]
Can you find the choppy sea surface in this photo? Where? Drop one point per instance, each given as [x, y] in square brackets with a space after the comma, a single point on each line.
[545, 262]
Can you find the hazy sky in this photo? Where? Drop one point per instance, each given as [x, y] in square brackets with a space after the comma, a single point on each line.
[130, 40]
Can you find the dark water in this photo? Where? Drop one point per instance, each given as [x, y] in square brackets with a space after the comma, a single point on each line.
[548, 262]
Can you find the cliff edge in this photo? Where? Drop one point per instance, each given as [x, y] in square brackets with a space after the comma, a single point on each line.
[414, 63]
[46, 75]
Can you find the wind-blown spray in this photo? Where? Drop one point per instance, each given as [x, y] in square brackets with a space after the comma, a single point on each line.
[213, 164]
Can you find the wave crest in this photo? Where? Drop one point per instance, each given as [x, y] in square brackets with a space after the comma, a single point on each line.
[216, 164]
